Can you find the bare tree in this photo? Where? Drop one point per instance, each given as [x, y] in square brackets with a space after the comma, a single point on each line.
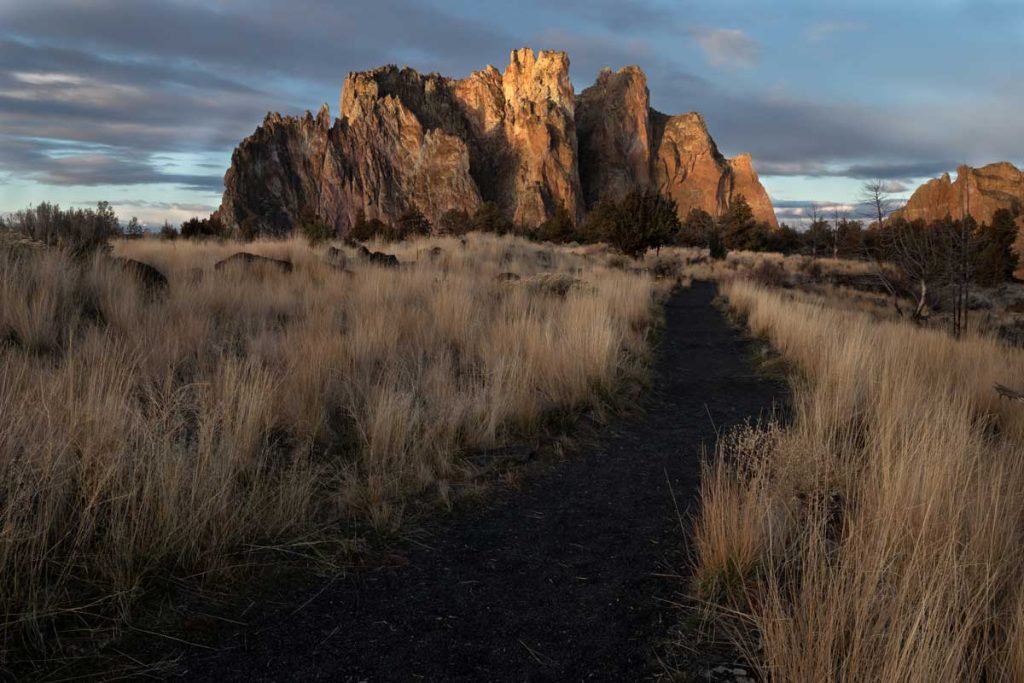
[875, 195]
[817, 234]
[962, 240]
[839, 216]
[921, 252]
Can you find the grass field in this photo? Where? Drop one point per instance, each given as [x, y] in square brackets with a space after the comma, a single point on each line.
[162, 435]
[879, 536]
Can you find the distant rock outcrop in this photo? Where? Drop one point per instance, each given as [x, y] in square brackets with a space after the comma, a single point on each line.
[518, 138]
[979, 192]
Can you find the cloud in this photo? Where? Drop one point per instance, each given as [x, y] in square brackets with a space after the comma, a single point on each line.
[824, 29]
[727, 47]
[153, 214]
[105, 90]
[801, 212]
[63, 162]
[93, 93]
[617, 15]
[875, 171]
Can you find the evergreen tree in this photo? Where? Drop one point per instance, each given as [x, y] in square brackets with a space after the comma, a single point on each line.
[644, 220]
[739, 229]
[995, 260]
[784, 239]
[818, 238]
[849, 238]
[696, 229]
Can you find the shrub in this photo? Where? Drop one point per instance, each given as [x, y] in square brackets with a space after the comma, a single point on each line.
[366, 229]
[199, 228]
[168, 231]
[453, 222]
[559, 228]
[77, 231]
[489, 218]
[412, 222]
[316, 231]
[769, 274]
[134, 230]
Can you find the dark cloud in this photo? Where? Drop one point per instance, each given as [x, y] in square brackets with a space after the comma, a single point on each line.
[877, 171]
[148, 77]
[618, 15]
[311, 40]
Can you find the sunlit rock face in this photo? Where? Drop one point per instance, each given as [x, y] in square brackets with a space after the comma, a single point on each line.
[979, 192]
[519, 138]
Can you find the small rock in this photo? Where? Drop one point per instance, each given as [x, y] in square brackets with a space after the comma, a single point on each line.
[382, 259]
[246, 259]
[151, 279]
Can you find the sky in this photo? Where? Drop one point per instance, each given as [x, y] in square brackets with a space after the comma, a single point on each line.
[140, 102]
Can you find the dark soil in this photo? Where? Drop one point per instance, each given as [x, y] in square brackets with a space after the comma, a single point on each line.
[564, 580]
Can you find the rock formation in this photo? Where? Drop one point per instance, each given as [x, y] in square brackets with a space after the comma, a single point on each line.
[624, 144]
[978, 191]
[519, 138]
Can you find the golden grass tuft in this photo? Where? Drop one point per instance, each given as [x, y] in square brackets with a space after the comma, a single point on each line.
[880, 535]
[160, 436]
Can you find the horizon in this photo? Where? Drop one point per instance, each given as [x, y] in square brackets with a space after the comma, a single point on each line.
[142, 106]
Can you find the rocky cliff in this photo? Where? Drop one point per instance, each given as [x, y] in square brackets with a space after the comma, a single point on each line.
[977, 191]
[519, 138]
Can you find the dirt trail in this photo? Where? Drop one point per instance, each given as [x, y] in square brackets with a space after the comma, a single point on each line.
[558, 581]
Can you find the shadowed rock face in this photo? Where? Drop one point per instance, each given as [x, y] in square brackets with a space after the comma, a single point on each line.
[613, 119]
[519, 138]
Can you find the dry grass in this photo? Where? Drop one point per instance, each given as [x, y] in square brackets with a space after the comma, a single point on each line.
[147, 437]
[880, 536]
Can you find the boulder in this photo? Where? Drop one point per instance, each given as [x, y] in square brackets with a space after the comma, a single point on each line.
[336, 258]
[247, 260]
[381, 259]
[151, 279]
